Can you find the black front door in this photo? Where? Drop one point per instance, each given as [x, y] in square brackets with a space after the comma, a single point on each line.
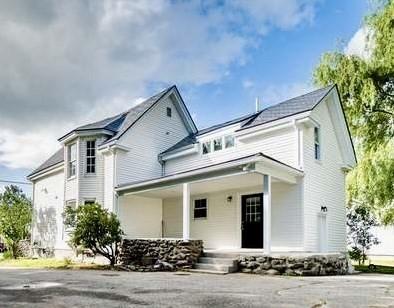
[252, 221]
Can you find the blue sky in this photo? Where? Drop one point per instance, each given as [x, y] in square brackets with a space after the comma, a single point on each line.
[270, 55]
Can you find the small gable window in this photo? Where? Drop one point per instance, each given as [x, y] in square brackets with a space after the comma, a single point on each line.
[91, 156]
[200, 208]
[169, 112]
[317, 143]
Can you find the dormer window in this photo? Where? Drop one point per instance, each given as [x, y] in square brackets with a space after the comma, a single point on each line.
[218, 144]
[72, 159]
[91, 156]
[317, 143]
[229, 141]
[206, 147]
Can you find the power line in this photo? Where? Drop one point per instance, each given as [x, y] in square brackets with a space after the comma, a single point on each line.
[14, 182]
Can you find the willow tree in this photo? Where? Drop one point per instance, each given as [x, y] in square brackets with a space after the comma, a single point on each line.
[366, 86]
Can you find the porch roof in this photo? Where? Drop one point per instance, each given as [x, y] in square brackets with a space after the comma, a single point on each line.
[258, 163]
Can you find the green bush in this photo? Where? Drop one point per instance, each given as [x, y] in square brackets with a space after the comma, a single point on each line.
[15, 217]
[94, 228]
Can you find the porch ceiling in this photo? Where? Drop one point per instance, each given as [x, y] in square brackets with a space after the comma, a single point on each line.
[241, 172]
[210, 185]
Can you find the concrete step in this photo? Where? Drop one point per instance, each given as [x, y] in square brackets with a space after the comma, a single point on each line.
[216, 267]
[224, 261]
[202, 271]
[221, 255]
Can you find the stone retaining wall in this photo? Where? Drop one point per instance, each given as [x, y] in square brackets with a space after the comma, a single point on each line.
[159, 254]
[315, 265]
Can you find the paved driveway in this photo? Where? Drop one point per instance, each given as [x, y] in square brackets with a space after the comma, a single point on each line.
[46, 288]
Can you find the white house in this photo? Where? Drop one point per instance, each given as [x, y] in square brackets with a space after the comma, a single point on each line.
[272, 180]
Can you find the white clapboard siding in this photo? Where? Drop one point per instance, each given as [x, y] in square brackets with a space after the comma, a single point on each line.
[91, 186]
[222, 228]
[48, 208]
[152, 134]
[324, 185]
[140, 217]
[280, 144]
[108, 162]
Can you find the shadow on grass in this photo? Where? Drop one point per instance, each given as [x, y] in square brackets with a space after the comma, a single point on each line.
[380, 269]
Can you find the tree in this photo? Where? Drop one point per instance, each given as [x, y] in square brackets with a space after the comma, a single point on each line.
[360, 238]
[15, 217]
[94, 228]
[366, 85]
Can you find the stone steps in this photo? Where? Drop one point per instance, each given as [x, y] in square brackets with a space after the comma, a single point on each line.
[194, 270]
[216, 263]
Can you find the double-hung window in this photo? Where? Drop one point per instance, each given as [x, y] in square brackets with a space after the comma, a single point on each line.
[72, 159]
[317, 143]
[91, 156]
[200, 208]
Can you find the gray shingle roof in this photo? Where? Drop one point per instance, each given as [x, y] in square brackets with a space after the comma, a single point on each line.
[56, 158]
[133, 114]
[117, 124]
[284, 109]
[289, 107]
[120, 123]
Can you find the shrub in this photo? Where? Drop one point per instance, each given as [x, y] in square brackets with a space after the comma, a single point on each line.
[94, 228]
[360, 238]
[15, 217]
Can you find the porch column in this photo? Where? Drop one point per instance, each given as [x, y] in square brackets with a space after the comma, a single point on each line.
[186, 211]
[267, 212]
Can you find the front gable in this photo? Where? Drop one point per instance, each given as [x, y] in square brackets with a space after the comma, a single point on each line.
[331, 107]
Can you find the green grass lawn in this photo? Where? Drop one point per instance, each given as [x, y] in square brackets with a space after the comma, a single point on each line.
[384, 265]
[50, 263]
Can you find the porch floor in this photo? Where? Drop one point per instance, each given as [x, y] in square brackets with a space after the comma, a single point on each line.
[256, 252]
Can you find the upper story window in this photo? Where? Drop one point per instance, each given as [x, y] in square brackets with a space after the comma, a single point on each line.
[218, 144]
[317, 143]
[72, 159]
[206, 147]
[229, 141]
[169, 112]
[91, 156]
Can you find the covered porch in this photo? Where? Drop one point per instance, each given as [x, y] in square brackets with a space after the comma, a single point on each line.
[250, 204]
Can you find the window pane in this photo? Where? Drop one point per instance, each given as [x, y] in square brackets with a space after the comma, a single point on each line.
[229, 141]
[200, 208]
[90, 156]
[317, 139]
[169, 112]
[206, 147]
[217, 144]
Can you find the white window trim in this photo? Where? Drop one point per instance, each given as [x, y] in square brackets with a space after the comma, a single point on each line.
[194, 206]
[86, 173]
[318, 160]
[71, 177]
[211, 141]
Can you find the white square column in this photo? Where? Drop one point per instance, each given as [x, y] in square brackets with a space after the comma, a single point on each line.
[267, 212]
[186, 211]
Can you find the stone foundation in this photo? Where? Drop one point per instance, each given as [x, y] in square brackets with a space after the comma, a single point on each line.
[159, 254]
[314, 265]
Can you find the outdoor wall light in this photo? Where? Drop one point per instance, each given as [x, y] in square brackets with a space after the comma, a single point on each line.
[229, 199]
[323, 209]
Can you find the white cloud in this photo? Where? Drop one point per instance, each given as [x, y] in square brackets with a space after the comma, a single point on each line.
[64, 63]
[361, 44]
[273, 94]
[247, 84]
